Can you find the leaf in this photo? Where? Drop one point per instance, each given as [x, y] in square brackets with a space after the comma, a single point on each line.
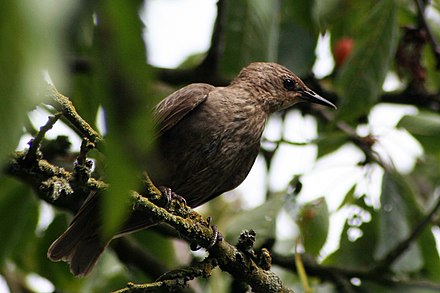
[19, 216]
[360, 80]
[262, 220]
[349, 198]
[124, 82]
[369, 286]
[330, 142]
[160, 246]
[425, 127]
[357, 254]
[297, 24]
[313, 222]
[394, 224]
[250, 34]
[425, 243]
[23, 60]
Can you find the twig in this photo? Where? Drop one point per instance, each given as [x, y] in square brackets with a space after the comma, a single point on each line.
[35, 143]
[211, 62]
[285, 141]
[64, 105]
[364, 143]
[161, 286]
[83, 167]
[434, 44]
[208, 70]
[52, 182]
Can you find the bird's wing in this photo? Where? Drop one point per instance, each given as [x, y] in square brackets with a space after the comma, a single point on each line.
[179, 104]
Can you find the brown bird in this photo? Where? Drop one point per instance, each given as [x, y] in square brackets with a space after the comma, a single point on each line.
[208, 138]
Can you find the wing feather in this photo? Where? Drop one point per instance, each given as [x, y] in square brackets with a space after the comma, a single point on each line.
[179, 104]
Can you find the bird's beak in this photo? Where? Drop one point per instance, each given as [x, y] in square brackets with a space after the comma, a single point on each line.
[311, 96]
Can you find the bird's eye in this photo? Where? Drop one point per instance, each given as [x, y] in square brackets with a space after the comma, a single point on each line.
[289, 84]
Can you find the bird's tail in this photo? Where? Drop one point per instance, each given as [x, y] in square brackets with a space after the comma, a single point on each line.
[81, 244]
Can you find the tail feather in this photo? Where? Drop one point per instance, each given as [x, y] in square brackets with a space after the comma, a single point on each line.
[81, 244]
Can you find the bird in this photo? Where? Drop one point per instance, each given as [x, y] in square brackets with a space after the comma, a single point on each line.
[208, 139]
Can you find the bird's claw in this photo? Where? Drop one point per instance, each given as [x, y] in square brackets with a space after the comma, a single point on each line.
[170, 195]
[217, 237]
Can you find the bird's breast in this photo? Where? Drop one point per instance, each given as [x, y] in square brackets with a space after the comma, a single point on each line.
[211, 150]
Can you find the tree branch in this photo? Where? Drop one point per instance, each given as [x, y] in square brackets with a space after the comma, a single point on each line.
[434, 44]
[65, 106]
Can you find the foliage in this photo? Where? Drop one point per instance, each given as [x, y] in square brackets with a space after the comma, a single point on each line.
[94, 53]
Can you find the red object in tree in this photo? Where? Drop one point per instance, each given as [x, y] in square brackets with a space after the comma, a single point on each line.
[342, 50]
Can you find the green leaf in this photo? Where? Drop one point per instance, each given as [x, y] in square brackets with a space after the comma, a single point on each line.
[360, 80]
[394, 224]
[357, 254]
[330, 142]
[160, 246]
[313, 222]
[123, 82]
[368, 286]
[349, 198]
[262, 220]
[19, 217]
[23, 60]
[422, 256]
[425, 127]
[250, 35]
[297, 24]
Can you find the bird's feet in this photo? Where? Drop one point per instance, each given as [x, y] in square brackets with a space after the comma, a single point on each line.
[217, 237]
[170, 195]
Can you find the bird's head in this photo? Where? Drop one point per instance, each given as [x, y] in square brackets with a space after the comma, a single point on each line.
[276, 87]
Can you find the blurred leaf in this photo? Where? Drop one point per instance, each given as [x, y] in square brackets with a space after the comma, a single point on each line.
[343, 18]
[425, 127]
[250, 34]
[401, 288]
[361, 77]
[82, 97]
[426, 255]
[394, 225]
[330, 142]
[160, 246]
[19, 216]
[297, 24]
[430, 62]
[123, 81]
[429, 256]
[23, 60]
[314, 223]
[261, 219]
[349, 198]
[357, 254]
